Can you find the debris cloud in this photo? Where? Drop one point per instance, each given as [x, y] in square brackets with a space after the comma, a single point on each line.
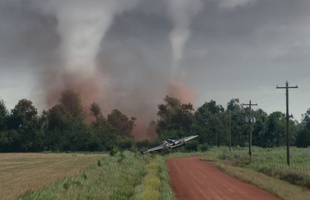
[81, 26]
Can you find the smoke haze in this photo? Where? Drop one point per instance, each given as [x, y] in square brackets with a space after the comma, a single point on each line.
[82, 27]
[130, 54]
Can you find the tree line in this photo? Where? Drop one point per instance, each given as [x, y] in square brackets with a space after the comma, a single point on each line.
[61, 128]
[64, 127]
[217, 125]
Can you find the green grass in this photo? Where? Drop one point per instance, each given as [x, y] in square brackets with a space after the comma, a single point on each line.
[273, 162]
[267, 169]
[278, 187]
[166, 192]
[33, 171]
[125, 176]
[136, 176]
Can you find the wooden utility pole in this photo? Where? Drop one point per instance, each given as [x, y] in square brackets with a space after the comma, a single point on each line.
[229, 131]
[250, 132]
[287, 122]
[216, 142]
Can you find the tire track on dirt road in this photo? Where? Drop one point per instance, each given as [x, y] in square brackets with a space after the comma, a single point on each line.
[193, 179]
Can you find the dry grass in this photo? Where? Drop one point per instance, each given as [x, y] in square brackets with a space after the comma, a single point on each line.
[20, 172]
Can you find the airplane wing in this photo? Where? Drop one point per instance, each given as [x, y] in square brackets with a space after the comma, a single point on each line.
[184, 140]
[189, 138]
[154, 149]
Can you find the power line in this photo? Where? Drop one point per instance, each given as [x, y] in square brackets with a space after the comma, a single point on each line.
[267, 94]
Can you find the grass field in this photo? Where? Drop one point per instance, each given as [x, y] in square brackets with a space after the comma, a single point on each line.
[268, 169]
[124, 176]
[137, 176]
[20, 172]
[276, 158]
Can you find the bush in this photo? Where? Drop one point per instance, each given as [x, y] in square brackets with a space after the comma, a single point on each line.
[114, 151]
[242, 160]
[142, 144]
[289, 176]
[303, 138]
[125, 144]
[191, 146]
[203, 147]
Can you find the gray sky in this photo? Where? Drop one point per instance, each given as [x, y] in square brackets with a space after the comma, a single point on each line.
[219, 49]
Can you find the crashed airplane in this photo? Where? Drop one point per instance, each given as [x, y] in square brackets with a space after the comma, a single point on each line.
[170, 144]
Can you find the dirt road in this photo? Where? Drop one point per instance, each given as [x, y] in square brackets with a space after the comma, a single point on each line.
[193, 179]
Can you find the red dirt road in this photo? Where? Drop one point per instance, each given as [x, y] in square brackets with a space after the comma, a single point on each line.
[193, 179]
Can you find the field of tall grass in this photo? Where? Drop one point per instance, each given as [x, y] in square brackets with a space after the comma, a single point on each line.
[272, 162]
[267, 168]
[135, 176]
[124, 176]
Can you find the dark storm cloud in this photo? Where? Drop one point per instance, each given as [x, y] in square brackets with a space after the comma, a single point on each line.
[251, 39]
[28, 46]
[26, 35]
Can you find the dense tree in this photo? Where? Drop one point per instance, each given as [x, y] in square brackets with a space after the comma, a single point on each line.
[103, 134]
[239, 129]
[274, 133]
[305, 122]
[4, 142]
[72, 103]
[174, 116]
[96, 112]
[211, 123]
[64, 131]
[234, 105]
[303, 135]
[62, 127]
[57, 117]
[239, 126]
[23, 112]
[102, 138]
[24, 120]
[260, 117]
[303, 138]
[11, 141]
[167, 113]
[122, 123]
[3, 115]
[58, 121]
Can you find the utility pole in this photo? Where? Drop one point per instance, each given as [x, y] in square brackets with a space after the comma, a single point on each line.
[250, 132]
[287, 122]
[229, 131]
[216, 142]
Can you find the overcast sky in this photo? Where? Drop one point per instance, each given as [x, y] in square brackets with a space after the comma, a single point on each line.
[217, 49]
